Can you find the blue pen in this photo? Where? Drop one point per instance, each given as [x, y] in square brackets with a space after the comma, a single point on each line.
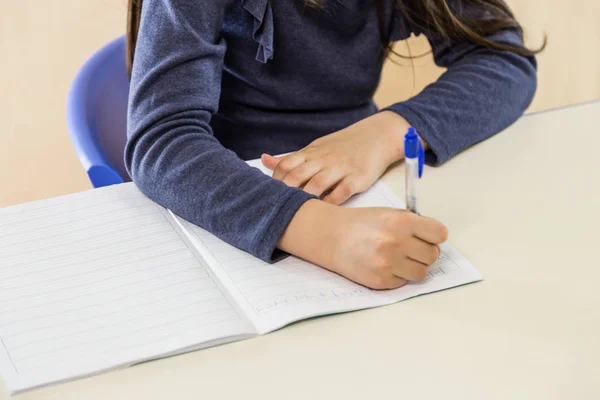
[414, 157]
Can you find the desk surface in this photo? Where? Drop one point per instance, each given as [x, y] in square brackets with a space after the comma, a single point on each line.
[526, 218]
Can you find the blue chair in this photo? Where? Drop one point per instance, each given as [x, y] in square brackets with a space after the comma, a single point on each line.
[97, 114]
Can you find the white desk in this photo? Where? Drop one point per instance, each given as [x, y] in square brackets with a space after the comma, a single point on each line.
[527, 219]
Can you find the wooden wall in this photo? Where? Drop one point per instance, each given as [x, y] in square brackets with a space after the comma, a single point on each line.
[569, 68]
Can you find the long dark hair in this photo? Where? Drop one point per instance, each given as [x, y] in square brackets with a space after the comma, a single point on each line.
[432, 15]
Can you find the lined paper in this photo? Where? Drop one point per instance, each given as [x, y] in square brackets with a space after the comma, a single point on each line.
[106, 278]
[293, 289]
[100, 279]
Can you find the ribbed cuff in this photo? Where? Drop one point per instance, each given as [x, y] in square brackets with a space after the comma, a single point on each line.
[438, 152]
[277, 223]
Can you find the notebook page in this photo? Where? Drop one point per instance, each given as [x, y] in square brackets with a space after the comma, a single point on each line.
[274, 295]
[97, 280]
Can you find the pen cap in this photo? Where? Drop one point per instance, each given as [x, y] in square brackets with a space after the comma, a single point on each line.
[413, 148]
[411, 144]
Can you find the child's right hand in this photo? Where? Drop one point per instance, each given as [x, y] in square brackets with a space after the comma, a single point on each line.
[381, 248]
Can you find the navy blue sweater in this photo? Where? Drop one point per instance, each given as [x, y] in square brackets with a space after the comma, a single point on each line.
[216, 82]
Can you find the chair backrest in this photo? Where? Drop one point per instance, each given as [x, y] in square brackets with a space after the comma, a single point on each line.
[97, 114]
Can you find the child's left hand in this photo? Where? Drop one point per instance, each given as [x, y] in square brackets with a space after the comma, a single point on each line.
[345, 162]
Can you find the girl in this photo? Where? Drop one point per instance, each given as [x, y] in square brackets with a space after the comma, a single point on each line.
[215, 82]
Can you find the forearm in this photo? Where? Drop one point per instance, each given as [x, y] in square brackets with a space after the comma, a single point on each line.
[483, 92]
[311, 234]
[195, 177]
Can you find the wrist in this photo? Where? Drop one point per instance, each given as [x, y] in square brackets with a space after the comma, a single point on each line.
[397, 127]
[394, 129]
[311, 233]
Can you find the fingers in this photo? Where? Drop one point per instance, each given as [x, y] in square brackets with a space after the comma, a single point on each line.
[423, 252]
[269, 161]
[430, 230]
[300, 175]
[342, 192]
[287, 164]
[410, 270]
[323, 181]
[295, 170]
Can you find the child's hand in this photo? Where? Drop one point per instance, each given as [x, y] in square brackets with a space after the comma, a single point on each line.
[346, 162]
[385, 248]
[381, 248]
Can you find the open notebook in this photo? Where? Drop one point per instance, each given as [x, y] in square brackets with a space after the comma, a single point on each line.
[106, 278]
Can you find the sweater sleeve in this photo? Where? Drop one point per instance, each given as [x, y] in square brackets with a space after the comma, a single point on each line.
[482, 92]
[171, 153]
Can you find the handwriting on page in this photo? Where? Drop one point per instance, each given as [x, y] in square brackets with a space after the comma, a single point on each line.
[265, 286]
[268, 287]
[90, 279]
